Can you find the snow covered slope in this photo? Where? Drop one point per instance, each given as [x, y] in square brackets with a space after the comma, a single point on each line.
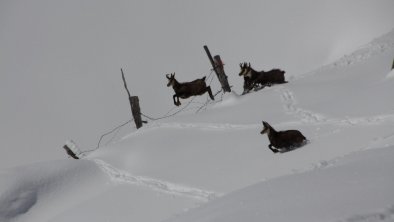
[60, 60]
[41, 191]
[345, 103]
[212, 164]
[357, 189]
[208, 161]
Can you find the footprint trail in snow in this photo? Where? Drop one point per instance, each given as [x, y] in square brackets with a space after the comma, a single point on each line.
[120, 176]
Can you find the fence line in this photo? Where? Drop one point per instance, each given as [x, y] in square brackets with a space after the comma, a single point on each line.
[166, 115]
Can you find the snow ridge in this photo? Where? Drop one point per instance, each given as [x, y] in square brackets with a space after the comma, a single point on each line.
[382, 216]
[120, 176]
[377, 46]
[207, 126]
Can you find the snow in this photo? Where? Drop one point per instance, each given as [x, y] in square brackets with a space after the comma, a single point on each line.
[206, 160]
[391, 74]
[362, 183]
[40, 191]
[60, 62]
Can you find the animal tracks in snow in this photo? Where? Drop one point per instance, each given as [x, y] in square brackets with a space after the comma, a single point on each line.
[290, 105]
[120, 176]
[367, 120]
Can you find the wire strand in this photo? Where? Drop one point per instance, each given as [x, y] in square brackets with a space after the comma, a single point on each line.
[166, 115]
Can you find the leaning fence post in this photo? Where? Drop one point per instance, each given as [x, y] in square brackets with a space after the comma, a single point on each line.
[217, 65]
[134, 105]
[72, 150]
[392, 67]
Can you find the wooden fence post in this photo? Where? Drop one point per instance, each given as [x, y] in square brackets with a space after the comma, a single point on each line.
[134, 105]
[392, 67]
[217, 65]
[72, 150]
[136, 111]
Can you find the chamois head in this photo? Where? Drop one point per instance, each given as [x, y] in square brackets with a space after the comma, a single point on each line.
[245, 68]
[266, 128]
[171, 79]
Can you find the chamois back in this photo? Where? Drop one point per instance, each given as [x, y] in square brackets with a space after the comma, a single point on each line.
[187, 89]
[253, 78]
[283, 141]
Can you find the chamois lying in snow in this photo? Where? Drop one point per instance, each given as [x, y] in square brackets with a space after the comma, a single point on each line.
[283, 141]
[253, 78]
[187, 89]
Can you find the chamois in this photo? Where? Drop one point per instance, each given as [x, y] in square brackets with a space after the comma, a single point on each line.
[186, 89]
[283, 141]
[253, 78]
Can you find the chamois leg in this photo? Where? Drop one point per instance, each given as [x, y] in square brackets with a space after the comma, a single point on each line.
[247, 88]
[210, 92]
[177, 103]
[272, 149]
[257, 86]
[248, 85]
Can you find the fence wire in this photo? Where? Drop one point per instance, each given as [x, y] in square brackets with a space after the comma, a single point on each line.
[168, 114]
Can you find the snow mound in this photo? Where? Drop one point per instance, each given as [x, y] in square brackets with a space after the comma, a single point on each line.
[47, 187]
[229, 99]
[357, 184]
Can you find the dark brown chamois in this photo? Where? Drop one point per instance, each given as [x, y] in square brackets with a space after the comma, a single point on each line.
[253, 78]
[283, 141]
[186, 89]
[247, 81]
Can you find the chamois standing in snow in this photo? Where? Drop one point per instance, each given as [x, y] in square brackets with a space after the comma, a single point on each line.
[253, 78]
[186, 89]
[283, 141]
[247, 80]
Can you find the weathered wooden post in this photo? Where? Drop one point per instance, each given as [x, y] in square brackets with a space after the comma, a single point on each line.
[72, 150]
[134, 105]
[217, 65]
[392, 67]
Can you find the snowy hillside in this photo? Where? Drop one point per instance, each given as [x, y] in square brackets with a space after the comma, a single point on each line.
[218, 156]
[208, 161]
[60, 60]
[357, 189]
